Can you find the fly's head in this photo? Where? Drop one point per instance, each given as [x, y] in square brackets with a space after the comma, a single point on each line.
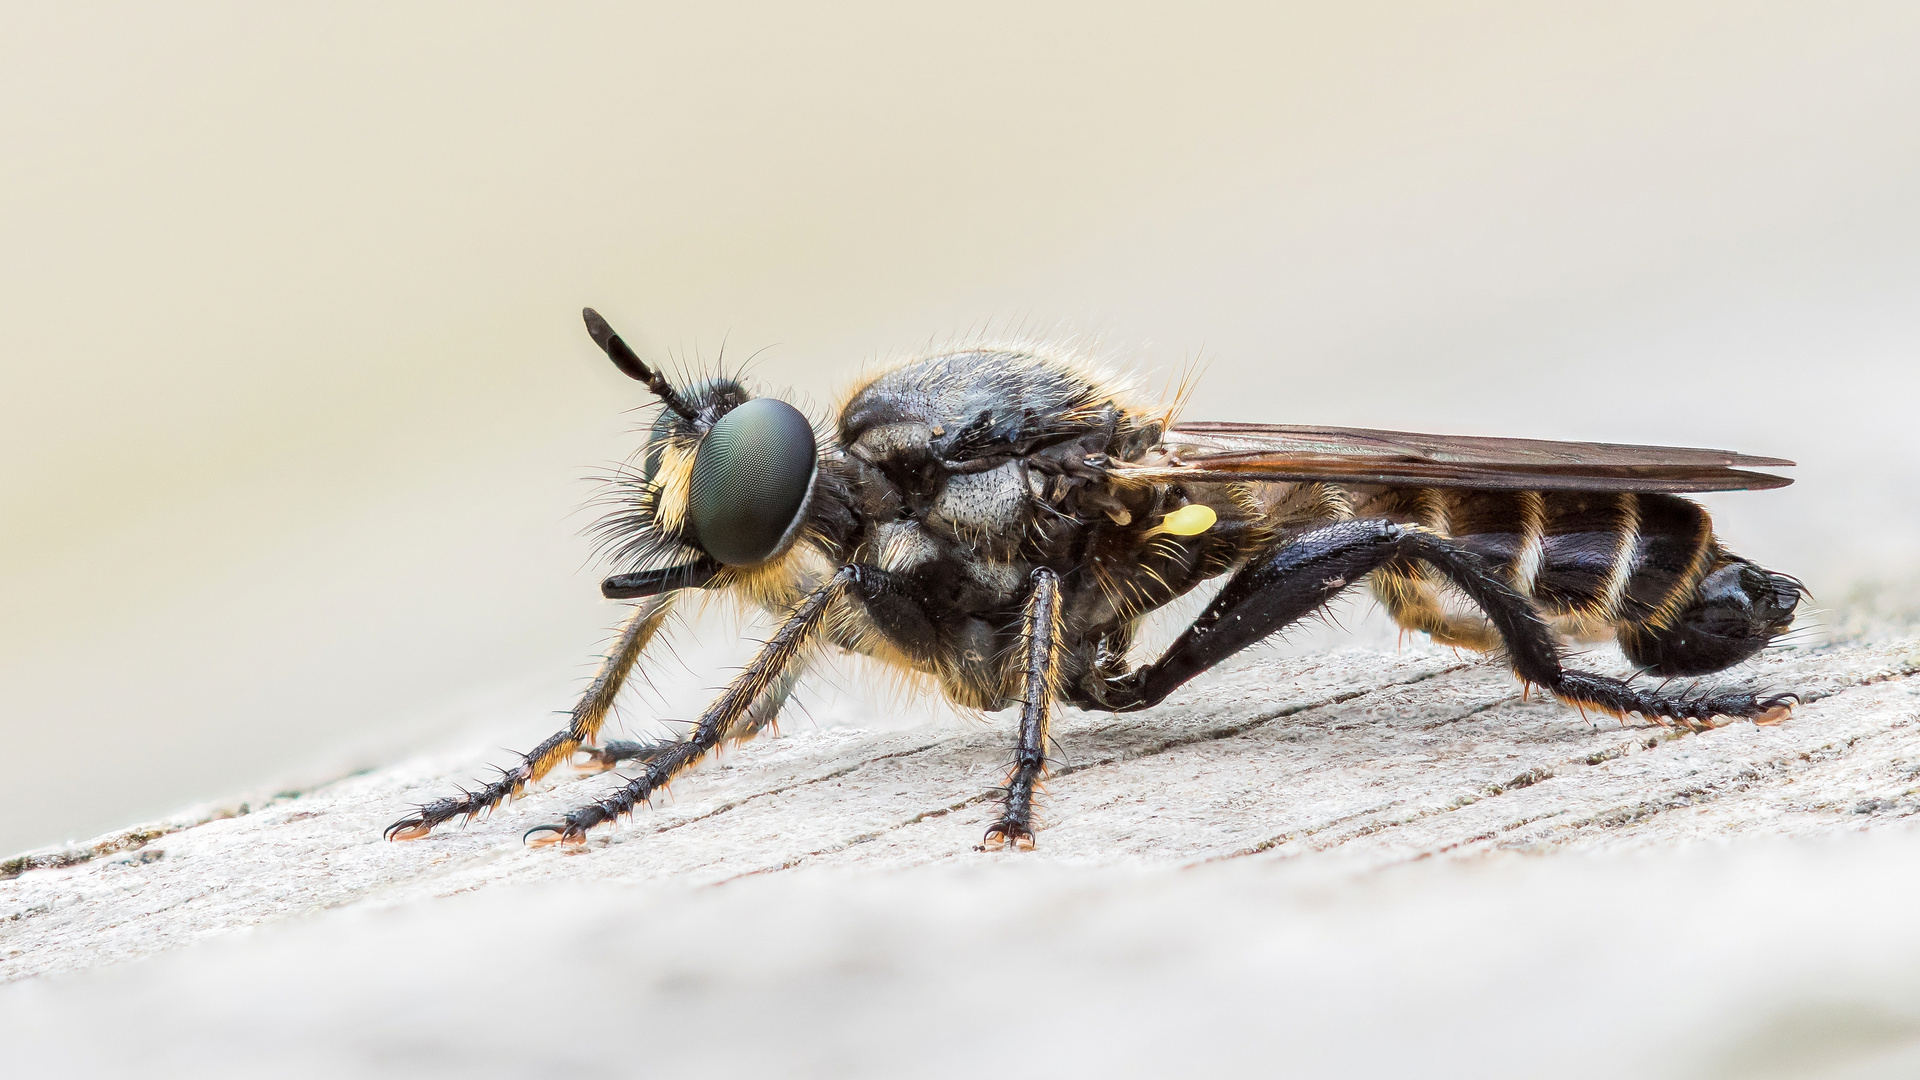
[723, 488]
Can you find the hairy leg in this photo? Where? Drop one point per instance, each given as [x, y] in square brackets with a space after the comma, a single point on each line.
[1299, 576]
[1041, 665]
[766, 710]
[731, 709]
[587, 717]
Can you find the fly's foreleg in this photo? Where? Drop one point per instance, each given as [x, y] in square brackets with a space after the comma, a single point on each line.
[584, 723]
[1040, 684]
[727, 714]
[1297, 578]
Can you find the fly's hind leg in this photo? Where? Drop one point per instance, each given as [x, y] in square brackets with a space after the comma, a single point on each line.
[584, 723]
[1296, 578]
[1040, 686]
[726, 715]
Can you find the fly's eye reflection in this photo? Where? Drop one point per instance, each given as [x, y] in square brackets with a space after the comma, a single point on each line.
[750, 479]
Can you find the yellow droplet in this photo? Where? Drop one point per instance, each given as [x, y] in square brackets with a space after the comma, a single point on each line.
[1190, 520]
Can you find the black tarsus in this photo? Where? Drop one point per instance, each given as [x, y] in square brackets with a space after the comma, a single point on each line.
[471, 804]
[1301, 575]
[627, 361]
[1042, 626]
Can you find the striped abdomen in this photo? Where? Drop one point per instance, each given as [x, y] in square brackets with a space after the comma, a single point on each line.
[1597, 564]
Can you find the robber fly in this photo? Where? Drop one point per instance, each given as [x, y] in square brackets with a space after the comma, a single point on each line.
[1001, 519]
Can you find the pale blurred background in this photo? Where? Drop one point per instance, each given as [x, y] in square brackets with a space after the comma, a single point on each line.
[297, 400]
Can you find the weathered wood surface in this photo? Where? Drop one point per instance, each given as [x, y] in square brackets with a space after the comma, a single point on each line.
[1358, 760]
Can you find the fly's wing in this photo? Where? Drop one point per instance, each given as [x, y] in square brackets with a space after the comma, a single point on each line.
[1225, 452]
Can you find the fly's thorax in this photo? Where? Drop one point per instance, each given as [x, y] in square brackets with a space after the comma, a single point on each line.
[949, 390]
[974, 404]
[954, 574]
[917, 510]
[904, 547]
[981, 506]
[980, 447]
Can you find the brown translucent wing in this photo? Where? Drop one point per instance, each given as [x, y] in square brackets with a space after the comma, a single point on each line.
[1223, 452]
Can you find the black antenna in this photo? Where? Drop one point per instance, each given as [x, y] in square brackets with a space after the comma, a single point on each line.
[624, 359]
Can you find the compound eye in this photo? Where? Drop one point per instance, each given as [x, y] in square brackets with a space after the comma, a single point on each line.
[750, 479]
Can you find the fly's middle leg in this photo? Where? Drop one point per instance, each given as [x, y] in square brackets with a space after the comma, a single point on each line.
[1039, 687]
